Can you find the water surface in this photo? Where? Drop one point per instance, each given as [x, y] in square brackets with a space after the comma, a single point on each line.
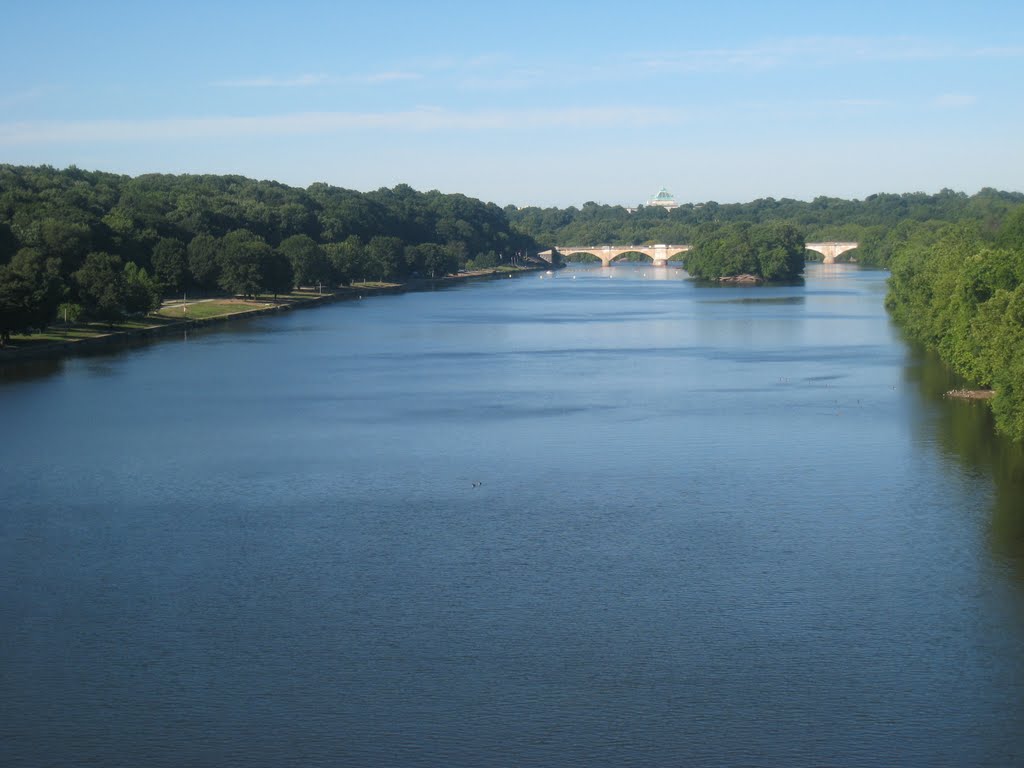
[601, 518]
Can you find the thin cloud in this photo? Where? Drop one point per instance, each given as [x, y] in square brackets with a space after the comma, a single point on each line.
[856, 103]
[385, 77]
[774, 54]
[302, 81]
[954, 100]
[308, 80]
[518, 79]
[425, 119]
[26, 96]
[998, 53]
[714, 60]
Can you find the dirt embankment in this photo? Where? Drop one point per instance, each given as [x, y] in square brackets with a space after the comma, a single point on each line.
[971, 394]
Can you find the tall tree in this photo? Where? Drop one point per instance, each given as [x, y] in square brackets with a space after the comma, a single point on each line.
[309, 263]
[242, 261]
[276, 273]
[203, 264]
[384, 257]
[348, 259]
[101, 287]
[30, 290]
[170, 264]
[142, 294]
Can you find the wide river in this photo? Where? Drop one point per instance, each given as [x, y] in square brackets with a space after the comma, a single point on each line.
[601, 518]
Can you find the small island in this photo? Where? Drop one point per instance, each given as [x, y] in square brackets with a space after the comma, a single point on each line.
[747, 254]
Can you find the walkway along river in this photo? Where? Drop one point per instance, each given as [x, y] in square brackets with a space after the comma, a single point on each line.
[600, 518]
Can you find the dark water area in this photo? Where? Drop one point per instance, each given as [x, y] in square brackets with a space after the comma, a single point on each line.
[600, 518]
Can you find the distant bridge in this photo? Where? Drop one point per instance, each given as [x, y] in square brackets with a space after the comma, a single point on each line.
[660, 254]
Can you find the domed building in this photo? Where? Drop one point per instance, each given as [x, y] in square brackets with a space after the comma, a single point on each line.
[664, 200]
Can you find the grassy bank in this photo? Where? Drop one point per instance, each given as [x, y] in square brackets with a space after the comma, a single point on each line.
[61, 339]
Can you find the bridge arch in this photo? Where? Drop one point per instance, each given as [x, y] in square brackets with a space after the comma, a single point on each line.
[592, 255]
[623, 255]
[830, 251]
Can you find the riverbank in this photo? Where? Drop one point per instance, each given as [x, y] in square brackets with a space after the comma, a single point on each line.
[971, 394]
[176, 316]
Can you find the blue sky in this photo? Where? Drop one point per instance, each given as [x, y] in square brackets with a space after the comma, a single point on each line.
[527, 102]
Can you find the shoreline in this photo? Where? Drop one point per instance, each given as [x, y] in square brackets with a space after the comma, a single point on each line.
[169, 326]
[971, 394]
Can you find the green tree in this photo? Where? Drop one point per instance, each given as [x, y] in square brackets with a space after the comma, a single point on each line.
[203, 264]
[779, 249]
[100, 283]
[30, 290]
[142, 293]
[384, 257]
[431, 259]
[170, 265]
[768, 251]
[276, 272]
[965, 299]
[1011, 233]
[348, 259]
[309, 263]
[64, 239]
[242, 259]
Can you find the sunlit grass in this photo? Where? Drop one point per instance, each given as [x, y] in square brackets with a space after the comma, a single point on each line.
[207, 309]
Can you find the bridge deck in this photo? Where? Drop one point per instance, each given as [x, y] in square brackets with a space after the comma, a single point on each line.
[660, 254]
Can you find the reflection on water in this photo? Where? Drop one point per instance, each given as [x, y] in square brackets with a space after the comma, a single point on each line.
[29, 370]
[759, 300]
[965, 430]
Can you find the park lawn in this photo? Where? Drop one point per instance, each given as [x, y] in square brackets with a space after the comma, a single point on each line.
[374, 284]
[205, 309]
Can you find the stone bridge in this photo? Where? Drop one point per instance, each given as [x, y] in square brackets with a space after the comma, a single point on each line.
[660, 254]
[829, 251]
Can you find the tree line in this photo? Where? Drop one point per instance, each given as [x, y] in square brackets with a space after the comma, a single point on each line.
[960, 290]
[105, 245]
[880, 223]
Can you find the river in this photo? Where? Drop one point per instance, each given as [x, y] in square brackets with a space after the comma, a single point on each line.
[601, 518]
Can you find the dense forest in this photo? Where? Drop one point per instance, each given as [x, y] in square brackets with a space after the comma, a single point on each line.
[961, 293]
[105, 246]
[880, 223]
[770, 252]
